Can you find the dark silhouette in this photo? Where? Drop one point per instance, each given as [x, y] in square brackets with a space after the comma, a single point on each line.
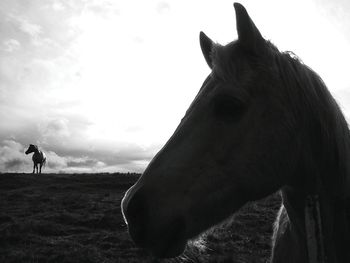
[261, 122]
[38, 157]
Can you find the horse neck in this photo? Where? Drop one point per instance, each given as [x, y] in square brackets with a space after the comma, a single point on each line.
[334, 200]
[333, 219]
[328, 179]
[335, 227]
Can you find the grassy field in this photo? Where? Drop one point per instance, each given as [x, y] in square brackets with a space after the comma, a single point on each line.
[77, 218]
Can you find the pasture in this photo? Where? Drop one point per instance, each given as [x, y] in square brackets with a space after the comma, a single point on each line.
[77, 218]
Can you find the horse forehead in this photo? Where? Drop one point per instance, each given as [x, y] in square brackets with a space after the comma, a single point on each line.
[212, 87]
[207, 86]
[32, 146]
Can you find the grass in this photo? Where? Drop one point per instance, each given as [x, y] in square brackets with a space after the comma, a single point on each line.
[77, 218]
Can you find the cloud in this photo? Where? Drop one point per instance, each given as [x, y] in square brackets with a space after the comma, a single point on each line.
[11, 45]
[58, 6]
[12, 157]
[163, 7]
[55, 162]
[17, 24]
[102, 8]
[32, 29]
[65, 134]
[56, 128]
[84, 162]
[337, 12]
[13, 164]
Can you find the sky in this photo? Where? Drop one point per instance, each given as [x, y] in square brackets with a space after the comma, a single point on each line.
[100, 85]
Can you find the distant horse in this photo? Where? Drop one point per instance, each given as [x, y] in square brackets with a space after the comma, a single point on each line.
[262, 121]
[38, 157]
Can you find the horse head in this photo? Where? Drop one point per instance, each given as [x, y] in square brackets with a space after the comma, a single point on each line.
[32, 148]
[240, 140]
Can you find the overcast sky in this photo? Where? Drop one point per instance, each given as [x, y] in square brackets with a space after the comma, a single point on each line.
[100, 85]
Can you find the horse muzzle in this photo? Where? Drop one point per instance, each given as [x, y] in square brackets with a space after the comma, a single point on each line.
[152, 230]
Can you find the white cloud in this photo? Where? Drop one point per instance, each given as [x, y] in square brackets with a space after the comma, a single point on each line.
[27, 27]
[163, 7]
[56, 129]
[55, 162]
[57, 5]
[12, 157]
[11, 45]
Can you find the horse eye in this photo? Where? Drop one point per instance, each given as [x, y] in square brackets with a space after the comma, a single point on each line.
[228, 108]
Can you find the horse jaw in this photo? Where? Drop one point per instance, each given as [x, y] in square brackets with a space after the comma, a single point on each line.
[163, 221]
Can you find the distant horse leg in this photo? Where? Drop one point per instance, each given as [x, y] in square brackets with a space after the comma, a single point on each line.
[41, 165]
[34, 168]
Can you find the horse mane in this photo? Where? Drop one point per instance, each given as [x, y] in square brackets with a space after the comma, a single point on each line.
[326, 127]
[325, 155]
[313, 111]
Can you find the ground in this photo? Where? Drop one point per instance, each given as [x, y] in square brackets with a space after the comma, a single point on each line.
[77, 218]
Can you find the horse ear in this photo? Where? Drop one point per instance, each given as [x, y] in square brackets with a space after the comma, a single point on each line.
[248, 33]
[206, 46]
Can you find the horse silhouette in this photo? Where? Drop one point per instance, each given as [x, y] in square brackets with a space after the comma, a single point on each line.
[39, 157]
[262, 121]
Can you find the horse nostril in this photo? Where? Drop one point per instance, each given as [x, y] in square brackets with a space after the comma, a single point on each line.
[136, 213]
